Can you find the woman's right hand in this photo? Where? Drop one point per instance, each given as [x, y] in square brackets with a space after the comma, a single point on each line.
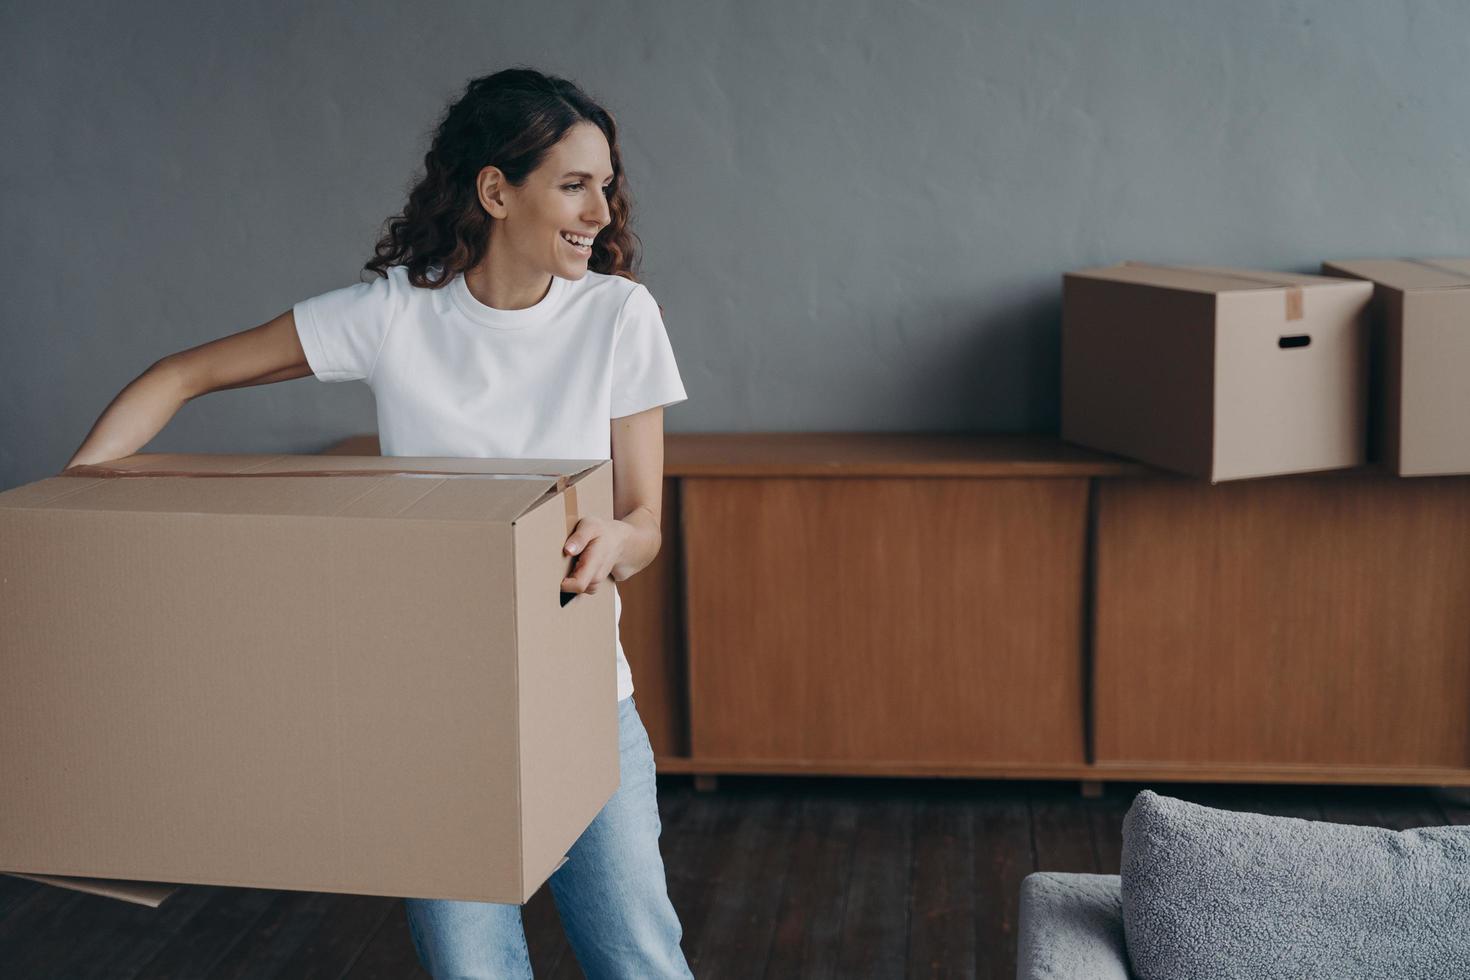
[261, 355]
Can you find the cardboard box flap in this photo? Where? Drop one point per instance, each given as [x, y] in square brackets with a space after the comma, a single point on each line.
[1204, 279]
[44, 492]
[1407, 274]
[1266, 277]
[261, 464]
[149, 893]
[1457, 266]
[444, 497]
[405, 488]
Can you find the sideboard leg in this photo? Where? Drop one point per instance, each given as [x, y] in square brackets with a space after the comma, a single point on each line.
[706, 782]
[1092, 789]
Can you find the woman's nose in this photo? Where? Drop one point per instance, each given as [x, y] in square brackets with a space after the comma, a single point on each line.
[602, 215]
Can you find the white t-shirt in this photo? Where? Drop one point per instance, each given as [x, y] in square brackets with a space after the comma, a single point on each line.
[454, 377]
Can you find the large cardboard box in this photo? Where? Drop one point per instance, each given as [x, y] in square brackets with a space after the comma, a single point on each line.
[326, 673]
[1419, 388]
[1219, 373]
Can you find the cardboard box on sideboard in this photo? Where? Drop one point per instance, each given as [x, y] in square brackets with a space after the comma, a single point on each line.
[1218, 373]
[1419, 393]
[323, 673]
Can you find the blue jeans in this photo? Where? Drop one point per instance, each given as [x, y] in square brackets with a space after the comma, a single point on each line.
[610, 894]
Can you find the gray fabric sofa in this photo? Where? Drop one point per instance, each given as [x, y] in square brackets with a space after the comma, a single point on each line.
[1207, 893]
[1071, 927]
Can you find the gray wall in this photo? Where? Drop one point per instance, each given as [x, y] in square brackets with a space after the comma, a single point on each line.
[855, 214]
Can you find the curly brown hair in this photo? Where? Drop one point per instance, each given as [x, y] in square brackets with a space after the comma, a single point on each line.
[510, 120]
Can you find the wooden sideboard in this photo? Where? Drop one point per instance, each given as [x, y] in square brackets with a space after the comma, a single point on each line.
[1014, 606]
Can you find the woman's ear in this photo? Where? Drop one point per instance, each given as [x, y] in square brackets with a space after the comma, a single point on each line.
[490, 183]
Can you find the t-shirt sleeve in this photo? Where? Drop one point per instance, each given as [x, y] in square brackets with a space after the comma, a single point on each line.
[644, 374]
[342, 331]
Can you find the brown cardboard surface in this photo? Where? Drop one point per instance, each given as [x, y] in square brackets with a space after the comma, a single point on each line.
[1290, 410]
[149, 893]
[1101, 334]
[557, 639]
[1217, 372]
[1421, 339]
[302, 681]
[1202, 278]
[1406, 274]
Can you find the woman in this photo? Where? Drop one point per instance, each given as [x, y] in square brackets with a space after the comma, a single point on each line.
[505, 322]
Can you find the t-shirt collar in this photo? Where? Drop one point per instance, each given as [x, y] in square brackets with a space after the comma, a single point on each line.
[507, 319]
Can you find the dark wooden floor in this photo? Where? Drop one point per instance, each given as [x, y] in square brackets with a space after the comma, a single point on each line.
[785, 878]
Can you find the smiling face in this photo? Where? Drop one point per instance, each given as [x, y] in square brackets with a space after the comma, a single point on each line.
[566, 195]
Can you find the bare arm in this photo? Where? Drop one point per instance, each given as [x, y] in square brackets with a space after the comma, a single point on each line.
[638, 484]
[624, 546]
[261, 355]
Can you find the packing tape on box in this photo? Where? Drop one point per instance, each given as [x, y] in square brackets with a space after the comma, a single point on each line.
[1294, 300]
[570, 496]
[110, 473]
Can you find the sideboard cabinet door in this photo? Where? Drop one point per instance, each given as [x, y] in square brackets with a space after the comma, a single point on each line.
[1306, 620]
[854, 621]
[651, 632]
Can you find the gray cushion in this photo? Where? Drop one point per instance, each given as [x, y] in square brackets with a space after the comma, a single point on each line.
[1212, 893]
[1071, 928]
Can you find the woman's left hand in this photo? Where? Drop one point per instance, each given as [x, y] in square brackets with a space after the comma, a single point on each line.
[598, 545]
